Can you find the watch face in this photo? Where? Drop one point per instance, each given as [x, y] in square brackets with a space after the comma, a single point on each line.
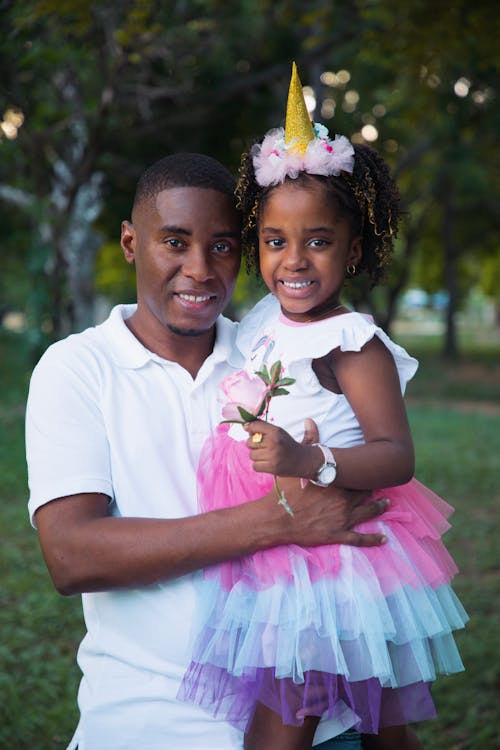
[327, 474]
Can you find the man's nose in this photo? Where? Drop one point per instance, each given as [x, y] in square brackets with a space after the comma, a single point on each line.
[197, 264]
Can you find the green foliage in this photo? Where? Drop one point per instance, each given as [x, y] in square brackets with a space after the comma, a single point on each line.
[249, 290]
[115, 279]
[491, 274]
[203, 75]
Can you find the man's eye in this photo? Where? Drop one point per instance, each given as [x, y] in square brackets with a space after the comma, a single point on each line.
[173, 242]
[222, 247]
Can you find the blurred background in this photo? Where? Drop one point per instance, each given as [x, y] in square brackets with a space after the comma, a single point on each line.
[91, 93]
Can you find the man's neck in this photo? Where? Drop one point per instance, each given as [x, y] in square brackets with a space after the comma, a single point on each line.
[189, 350]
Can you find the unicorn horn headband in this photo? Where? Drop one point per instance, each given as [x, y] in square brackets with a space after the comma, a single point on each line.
[301, 147]
[298, 126]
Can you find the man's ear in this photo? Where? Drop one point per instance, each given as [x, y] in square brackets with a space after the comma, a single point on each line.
[355, 251]
[127, 241]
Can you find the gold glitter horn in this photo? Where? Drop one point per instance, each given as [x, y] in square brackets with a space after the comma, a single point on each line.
[298, 126]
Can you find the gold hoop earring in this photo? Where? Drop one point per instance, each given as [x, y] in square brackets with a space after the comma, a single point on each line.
[351, 269]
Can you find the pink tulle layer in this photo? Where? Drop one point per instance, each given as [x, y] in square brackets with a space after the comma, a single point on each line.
[414, 523]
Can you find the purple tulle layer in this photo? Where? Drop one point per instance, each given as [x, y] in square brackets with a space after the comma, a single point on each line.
[234, 698]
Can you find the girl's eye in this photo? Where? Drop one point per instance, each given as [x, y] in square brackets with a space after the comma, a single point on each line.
[317, 243]
[275, 242]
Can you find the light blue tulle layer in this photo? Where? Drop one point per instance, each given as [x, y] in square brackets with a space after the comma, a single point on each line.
[343, 626]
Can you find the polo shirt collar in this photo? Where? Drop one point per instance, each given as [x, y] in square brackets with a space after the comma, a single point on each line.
[128, 352]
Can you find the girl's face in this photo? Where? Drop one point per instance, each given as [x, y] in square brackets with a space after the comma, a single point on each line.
[304, 249]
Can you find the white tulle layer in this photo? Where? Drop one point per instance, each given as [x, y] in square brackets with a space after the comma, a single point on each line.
[341, 625]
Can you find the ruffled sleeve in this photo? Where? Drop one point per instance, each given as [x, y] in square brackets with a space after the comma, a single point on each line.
[358, 332]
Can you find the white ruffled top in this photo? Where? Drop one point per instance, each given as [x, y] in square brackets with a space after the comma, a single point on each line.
[265, 335]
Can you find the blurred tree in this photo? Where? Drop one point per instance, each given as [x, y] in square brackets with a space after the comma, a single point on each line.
[106, 88]
[100, 90]
[442, 62]
[60, 67]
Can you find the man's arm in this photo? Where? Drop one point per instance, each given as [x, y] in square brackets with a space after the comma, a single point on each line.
[86, 549]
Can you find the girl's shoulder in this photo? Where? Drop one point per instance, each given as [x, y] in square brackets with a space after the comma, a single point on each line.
[306, 341]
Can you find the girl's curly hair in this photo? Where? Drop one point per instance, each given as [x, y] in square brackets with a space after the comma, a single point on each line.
[369, 199]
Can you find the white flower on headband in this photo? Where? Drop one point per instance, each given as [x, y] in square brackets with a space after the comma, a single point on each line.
[274, 159]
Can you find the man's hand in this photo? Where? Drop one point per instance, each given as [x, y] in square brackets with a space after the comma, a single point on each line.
[327, 515]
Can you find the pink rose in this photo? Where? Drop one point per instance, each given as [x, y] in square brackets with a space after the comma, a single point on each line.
[242, 390]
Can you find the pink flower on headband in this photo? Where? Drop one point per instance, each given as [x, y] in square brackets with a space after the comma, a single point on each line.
[274, 159]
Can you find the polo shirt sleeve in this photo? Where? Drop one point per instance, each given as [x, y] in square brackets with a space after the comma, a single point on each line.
[66, 444]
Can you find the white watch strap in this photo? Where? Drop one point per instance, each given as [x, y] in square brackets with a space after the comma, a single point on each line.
[327, 454]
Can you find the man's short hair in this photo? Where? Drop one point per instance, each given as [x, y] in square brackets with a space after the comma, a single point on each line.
[184, 170]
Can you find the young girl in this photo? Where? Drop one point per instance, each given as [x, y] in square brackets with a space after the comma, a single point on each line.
[292, 635]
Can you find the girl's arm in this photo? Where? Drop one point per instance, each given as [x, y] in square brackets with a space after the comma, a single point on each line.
[370, 382]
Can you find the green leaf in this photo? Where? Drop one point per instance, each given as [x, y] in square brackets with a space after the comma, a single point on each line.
[285, 381]
[279, 392]
[263, 405]
[275, 371]
[245, 415]
[264, 375]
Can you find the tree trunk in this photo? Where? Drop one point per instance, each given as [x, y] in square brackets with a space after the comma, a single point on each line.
[451, 252]
[75, 244]
[394, 289]
[82, 243]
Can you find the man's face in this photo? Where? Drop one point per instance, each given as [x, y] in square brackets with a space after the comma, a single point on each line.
[185, 245]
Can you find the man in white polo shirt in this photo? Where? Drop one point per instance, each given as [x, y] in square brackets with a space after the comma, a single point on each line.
[115, 422]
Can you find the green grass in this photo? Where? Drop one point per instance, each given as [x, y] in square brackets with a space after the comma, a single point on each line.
[455, 417]
[40, 630]
[457, 455]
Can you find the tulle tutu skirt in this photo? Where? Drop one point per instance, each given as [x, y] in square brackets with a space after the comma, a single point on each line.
[324, 630]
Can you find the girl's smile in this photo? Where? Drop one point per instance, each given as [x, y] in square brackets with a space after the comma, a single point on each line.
[305, 245]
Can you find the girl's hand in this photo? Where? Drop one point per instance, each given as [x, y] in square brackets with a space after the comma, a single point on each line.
[274, 451]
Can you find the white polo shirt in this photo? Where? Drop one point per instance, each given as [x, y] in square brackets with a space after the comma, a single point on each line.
[107, 415]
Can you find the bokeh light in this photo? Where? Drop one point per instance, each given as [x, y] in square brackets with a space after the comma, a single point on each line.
[461, 87]
[369, 133]
[12, 121]
[310, 99]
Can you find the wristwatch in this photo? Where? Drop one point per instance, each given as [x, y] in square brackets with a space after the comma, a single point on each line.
[328, 470]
